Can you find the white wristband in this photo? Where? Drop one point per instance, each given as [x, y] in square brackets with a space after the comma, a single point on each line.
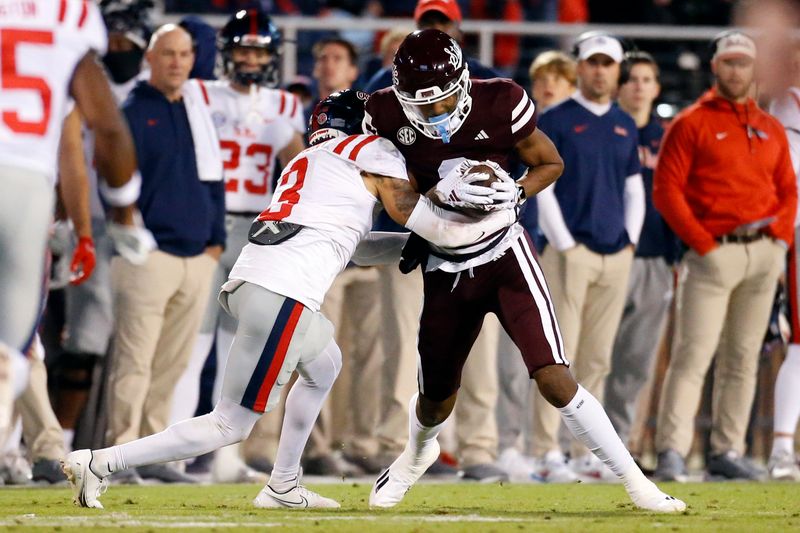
[124, 195]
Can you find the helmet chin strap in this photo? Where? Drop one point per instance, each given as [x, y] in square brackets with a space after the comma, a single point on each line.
[444, 131]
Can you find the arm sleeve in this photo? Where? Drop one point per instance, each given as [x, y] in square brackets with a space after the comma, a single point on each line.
[380, 248]
[786, 189]
[551, 220]
[218, 232]
[634, 207]
[450, 229]
[669, 187]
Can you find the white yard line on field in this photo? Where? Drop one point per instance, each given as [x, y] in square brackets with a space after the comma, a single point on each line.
[189, 522]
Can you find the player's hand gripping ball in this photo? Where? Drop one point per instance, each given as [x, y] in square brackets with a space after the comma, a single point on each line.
[477, 188]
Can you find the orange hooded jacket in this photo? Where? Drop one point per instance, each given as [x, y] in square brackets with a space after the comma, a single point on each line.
[721, 165]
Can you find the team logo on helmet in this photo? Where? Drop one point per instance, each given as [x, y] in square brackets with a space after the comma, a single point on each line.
[322, 118]
[454, 53]
[406, 135]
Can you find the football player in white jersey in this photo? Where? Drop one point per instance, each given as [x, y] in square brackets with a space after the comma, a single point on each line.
[322, 210]
[257, 124]
[783, 462]
[49, 56]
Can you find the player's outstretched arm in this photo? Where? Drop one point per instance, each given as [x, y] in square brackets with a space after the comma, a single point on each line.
[114, 153]
[544, 162]
[447, 229]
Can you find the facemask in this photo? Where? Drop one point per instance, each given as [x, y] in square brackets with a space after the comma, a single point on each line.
[122, 66]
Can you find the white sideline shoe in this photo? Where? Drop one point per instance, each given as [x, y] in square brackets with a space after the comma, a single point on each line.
[86, 485]
[590, 468]
[392, 485]
[518, 467]
[553, 468]
[297, 497]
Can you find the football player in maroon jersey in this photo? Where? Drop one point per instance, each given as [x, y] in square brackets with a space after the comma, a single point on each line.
[437, 117]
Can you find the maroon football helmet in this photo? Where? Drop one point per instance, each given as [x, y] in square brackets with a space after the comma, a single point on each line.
[429, 67]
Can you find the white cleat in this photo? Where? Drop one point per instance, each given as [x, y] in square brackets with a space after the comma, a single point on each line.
[297, 497]
[392, 485]
[648, 496]
[86, 485]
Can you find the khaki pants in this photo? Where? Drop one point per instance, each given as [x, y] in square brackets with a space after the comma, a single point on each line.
[158, 307]
[350, 416]
[40, 428]
[723, 304]
[588, 291]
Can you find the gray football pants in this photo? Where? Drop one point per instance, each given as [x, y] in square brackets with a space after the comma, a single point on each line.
[640, 331]
[26, 204]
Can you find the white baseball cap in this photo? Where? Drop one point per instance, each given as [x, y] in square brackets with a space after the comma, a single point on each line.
[734, 43]
[600, 44]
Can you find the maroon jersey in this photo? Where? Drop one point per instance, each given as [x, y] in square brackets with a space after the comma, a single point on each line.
[502, 114]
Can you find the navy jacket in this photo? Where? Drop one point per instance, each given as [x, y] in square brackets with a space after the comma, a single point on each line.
[185, 214]
[599, 154]
[657, 239]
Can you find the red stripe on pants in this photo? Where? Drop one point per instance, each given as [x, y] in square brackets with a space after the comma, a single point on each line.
[260, 404]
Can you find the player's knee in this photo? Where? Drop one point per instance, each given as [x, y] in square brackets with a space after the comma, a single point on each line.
[556, 384]
[233, 422]
[323, 370]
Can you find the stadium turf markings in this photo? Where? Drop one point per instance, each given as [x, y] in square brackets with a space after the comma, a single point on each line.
[428, 507]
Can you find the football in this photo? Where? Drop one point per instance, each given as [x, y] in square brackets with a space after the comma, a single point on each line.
[492, 178]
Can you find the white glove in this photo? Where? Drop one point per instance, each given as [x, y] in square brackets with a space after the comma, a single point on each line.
[506, 195]
[134, 243]
[456, 188]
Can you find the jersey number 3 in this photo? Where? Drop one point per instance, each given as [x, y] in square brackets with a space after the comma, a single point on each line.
[290, 195]
[11, 80]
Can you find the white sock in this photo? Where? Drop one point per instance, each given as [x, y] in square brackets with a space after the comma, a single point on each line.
[303, 405]
[188, 386]
[589, 423]
[68, 435]
[787, 401]
[419, 436]
[228, 423]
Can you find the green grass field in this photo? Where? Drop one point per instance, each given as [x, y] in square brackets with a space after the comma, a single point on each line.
[428, 507]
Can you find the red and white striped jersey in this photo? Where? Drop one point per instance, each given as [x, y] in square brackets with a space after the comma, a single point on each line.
[252, 128]
[42, 42]
[322, 190]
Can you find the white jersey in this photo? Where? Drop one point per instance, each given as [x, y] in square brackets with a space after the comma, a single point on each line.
[322, 190]
[787, 110]
[42, 43]
[252, 128]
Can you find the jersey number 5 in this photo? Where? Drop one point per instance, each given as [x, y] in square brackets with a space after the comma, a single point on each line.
[290, 195]
[11, 80]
